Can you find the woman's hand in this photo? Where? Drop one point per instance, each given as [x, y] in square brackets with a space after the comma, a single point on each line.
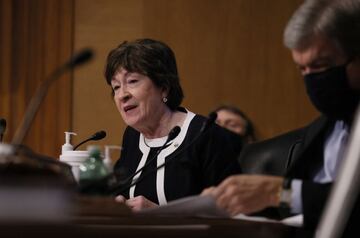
[137, 203]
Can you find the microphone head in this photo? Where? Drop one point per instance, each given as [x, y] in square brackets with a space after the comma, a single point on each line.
[81, 57]
[212, 117]
[210, 120]
[98, 135]
[2, 125]
[174, 133]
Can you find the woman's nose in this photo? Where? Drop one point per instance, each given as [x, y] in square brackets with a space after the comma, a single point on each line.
[124, 95]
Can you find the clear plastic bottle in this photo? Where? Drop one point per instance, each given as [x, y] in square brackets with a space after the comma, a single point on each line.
[107, 160]
[92, 172]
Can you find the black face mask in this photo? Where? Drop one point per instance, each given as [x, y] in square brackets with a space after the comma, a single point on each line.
[331, 94]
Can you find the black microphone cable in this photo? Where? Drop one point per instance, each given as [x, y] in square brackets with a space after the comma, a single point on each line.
[97, 136]
[172, 134]
[206, 124]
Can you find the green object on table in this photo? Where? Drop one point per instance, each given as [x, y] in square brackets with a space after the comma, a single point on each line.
[93, 170]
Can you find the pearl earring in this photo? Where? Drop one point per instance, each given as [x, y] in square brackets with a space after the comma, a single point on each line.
[164, 99]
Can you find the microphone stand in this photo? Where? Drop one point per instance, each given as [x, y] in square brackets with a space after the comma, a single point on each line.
[110, 185]
[19, 159]
[161, 165]
[173, 133]
[34, 104]
[41, 91]
[2, 129]
[77, 146]
[205, 126]
[97, 136]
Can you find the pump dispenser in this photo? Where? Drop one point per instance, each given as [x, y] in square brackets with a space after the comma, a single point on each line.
[107, 160]
[67, 146]
[71, 157]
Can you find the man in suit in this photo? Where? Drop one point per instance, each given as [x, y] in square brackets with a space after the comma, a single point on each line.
[324, 39]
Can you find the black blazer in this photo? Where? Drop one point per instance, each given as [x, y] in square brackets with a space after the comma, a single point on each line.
[297, 154]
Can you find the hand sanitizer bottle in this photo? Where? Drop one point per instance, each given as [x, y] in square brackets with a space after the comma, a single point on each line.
[71, 157]
[67, 146]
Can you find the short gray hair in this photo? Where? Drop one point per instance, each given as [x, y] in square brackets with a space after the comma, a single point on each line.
[338, 20]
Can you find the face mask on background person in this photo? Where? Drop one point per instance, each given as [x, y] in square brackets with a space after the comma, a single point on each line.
[330, 93]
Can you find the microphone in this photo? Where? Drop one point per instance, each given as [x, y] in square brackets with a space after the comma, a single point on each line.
[78, 59]
[2, 128]
[97, 136]
[205, 126]
[82, 57]
[210, 120]
[172, 134]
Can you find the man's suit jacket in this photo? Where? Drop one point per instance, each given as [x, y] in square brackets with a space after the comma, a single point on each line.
[297, 154]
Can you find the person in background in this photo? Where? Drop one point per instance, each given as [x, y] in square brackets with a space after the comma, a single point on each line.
[324, 39]
[145, 86]
[236, 121]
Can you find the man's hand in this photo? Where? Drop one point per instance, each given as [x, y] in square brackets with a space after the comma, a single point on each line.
[137, 203]
[246, 193]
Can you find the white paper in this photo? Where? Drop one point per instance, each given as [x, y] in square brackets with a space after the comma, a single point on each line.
[193, 206]
[290, 221]
[254, 218]
[205, 206]
[297, 220]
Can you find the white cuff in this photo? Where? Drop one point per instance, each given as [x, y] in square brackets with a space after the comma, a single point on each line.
[296, 200]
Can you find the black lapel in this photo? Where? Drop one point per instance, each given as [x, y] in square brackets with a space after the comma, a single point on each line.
[310, 154]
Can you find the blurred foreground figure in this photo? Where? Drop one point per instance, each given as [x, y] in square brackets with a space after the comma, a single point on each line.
[324, 39]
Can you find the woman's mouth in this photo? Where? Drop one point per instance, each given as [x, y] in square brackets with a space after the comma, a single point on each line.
[129, 108]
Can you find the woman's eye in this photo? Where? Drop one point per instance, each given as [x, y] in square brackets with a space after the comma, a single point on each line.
[116, 87]
[132, 81]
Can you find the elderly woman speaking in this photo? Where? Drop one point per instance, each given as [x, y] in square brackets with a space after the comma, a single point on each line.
[163, 164]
